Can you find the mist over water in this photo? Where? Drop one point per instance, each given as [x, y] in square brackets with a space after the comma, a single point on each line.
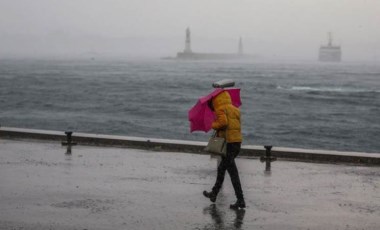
[308, 105]
[281, 30]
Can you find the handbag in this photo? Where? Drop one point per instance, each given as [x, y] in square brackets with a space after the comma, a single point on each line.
[217, 145]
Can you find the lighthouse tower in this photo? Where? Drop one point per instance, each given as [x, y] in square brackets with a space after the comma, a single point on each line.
[240, 51]
[187, 42]
[329, 39]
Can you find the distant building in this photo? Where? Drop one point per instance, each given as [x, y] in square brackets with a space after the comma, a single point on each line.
[330, 52]
[189, 54]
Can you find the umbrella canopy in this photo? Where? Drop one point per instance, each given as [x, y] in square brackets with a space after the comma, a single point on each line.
[201, 116]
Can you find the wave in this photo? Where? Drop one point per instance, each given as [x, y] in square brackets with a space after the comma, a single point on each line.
[328, 89]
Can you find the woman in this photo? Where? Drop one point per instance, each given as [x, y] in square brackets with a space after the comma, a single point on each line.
[227, 124]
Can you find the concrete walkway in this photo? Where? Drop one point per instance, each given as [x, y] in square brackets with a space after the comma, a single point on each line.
[115, 188]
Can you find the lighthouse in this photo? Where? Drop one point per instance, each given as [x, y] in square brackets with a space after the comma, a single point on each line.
[187, 42]
[240, 50]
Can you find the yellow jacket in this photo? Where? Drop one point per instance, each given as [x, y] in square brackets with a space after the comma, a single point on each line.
[227, 122]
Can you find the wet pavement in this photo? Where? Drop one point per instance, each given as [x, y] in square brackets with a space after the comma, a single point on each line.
[114, 188]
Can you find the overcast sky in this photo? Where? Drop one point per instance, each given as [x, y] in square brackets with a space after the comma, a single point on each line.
[283, 29]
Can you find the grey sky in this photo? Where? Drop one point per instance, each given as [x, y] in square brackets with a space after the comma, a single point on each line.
[269, 28]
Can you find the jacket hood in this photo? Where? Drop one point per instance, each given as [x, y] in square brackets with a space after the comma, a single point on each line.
[221, 99]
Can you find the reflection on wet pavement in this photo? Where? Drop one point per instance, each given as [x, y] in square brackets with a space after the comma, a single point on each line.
[219, 219]
[101, 188]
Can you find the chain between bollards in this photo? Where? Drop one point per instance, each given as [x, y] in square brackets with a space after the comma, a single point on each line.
[268, 157]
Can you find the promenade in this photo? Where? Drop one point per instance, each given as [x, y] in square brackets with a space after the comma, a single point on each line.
[99, 188]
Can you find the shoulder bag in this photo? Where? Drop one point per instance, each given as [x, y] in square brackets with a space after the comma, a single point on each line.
[217, 145]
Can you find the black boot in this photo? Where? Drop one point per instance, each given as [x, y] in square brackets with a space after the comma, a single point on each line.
[240, 203]
[210, 195]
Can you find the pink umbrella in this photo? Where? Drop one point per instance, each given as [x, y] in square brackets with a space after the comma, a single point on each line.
[201, 116]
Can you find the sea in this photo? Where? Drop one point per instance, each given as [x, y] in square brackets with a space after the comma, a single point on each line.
[331, 106]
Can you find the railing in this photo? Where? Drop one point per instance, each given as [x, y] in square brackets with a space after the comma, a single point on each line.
[322, 156]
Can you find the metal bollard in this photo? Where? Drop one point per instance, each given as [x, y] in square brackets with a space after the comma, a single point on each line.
[267, 158]
[69, 141]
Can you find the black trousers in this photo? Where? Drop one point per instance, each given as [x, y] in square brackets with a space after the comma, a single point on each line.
[228, 164]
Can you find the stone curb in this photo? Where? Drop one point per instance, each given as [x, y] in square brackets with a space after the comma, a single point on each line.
[320, 156]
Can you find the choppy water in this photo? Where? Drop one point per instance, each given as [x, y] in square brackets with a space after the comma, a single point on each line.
[308, 105]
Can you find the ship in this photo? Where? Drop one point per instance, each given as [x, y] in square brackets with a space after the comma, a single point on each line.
[189, 54]
[330, 52]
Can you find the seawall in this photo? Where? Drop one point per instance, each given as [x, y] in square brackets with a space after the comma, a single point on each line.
[307, 155]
